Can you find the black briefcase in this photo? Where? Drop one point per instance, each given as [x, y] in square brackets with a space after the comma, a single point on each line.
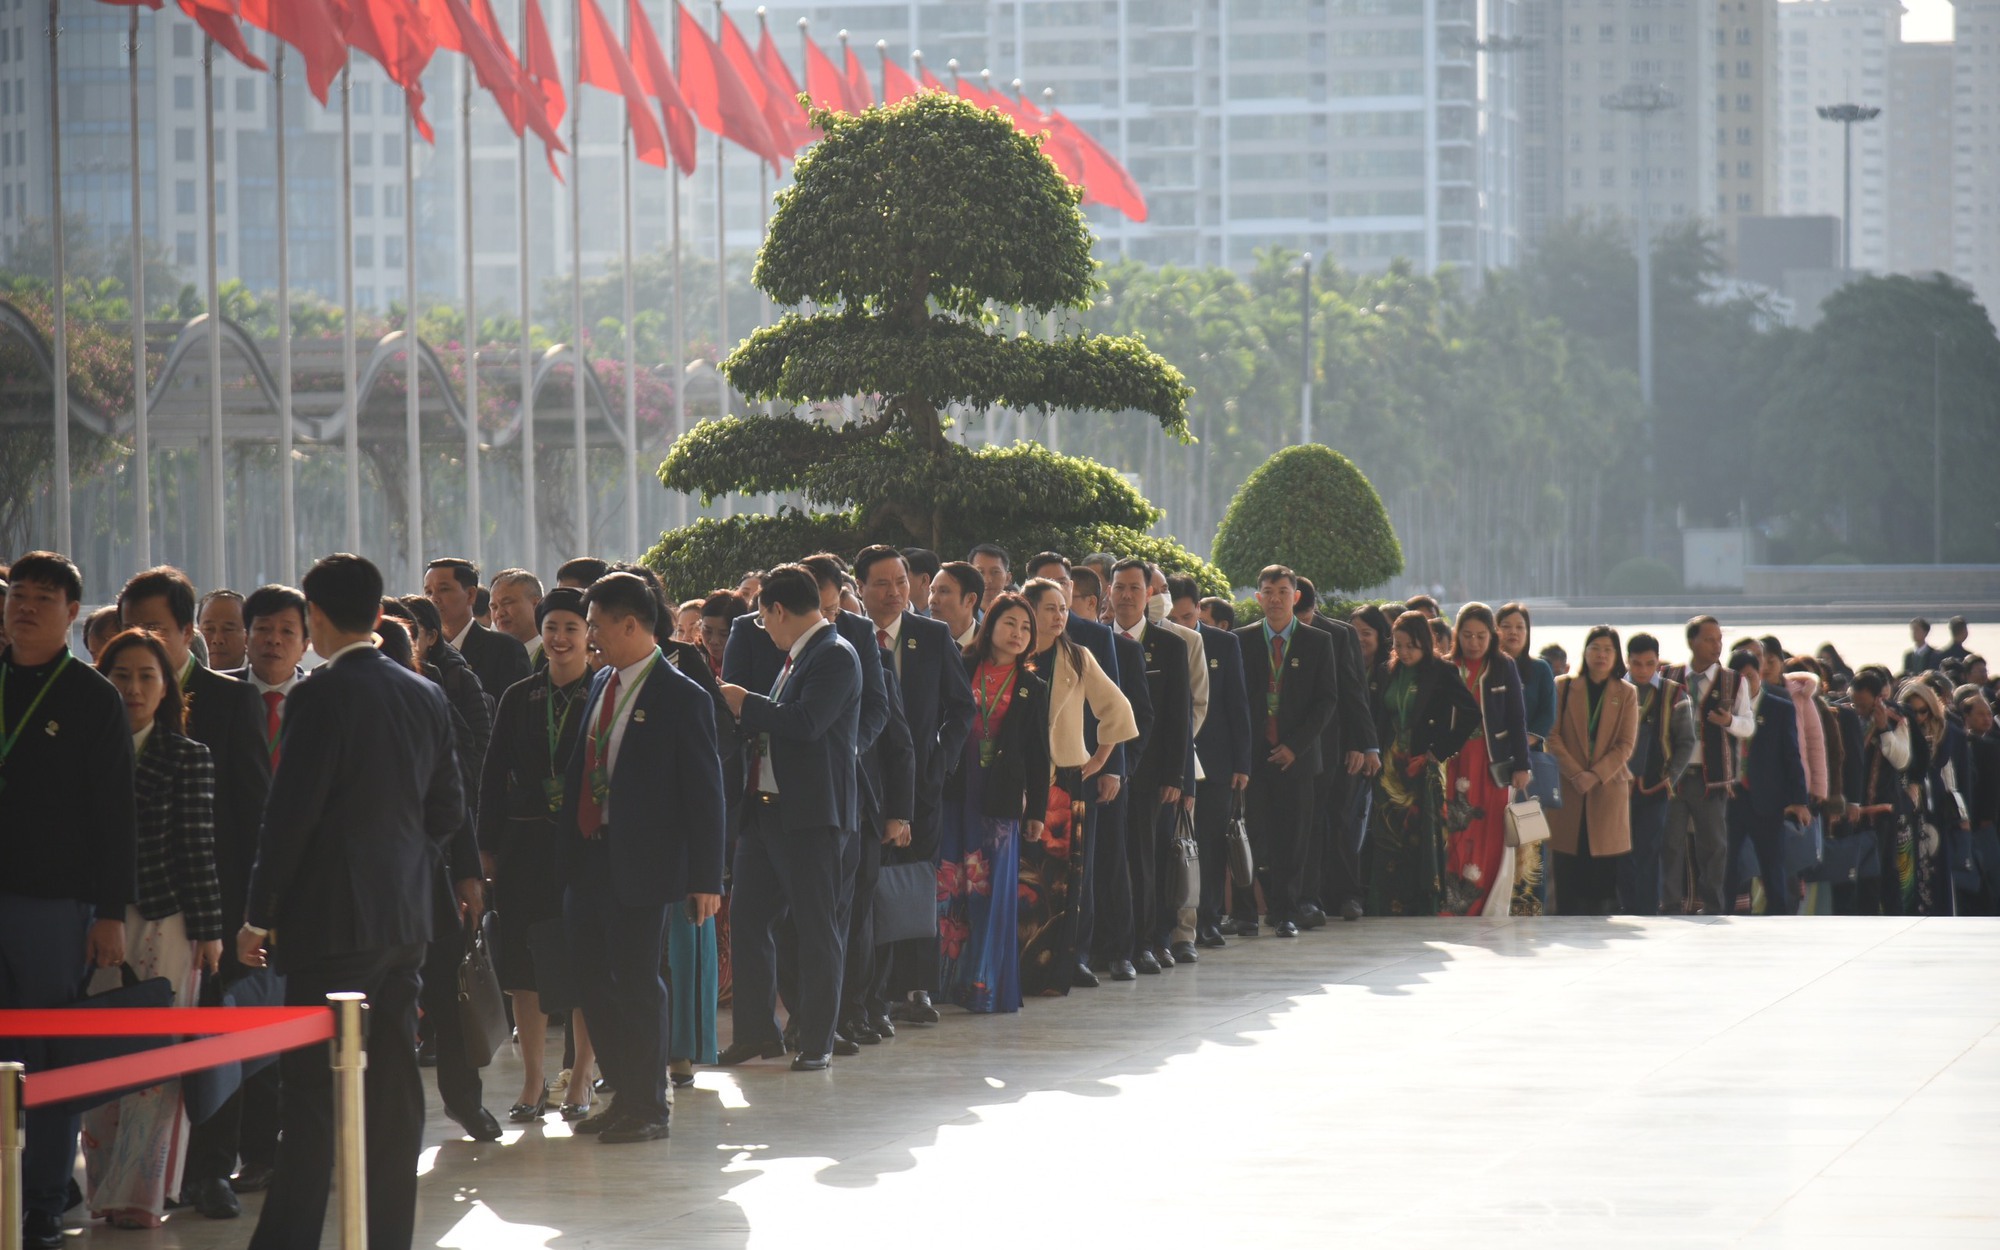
[906, 902]
[482, 1012]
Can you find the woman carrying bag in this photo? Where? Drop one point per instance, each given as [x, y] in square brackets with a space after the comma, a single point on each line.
[1426, 715]
[1480, 868]
[1597, 726]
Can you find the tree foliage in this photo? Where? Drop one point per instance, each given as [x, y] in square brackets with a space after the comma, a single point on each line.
[1309, 508]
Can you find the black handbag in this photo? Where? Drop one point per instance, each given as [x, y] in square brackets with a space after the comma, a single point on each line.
[1850, 858]
[1802, 848]
[1547, 783]
[482, 1012]
[63, 1052]
[906, 902]
[204, 1091]
[1242, 860]
[1187, 861]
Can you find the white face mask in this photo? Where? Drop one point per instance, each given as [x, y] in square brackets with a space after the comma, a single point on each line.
[1157, 608]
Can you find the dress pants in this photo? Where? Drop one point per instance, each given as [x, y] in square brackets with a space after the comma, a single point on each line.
[244, 1127]
[1111, 890]
[616, 950]
[1766, 835]
[1086, 903]
[458, 1082]
[780, 871]
[295, 1208]
[785, 934]
[1213, 803]
[42, 964]
[1146, 820]
[1696, 824]
[1639, 872]
[1326, 840]
[857, 982]
[1279, 811]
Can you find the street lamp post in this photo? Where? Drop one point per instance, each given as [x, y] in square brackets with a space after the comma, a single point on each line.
[1847, 115]
[1305, 349]
[1937, 447]
[1644, 100]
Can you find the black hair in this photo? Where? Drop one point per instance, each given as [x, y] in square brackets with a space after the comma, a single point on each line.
[347, 588]
[1869, 681]
[1376, 619]
[163, 580]
[1180, 586]
[981, 647]
[1699, 623]
[426, 615]
[392, 606]
[49, 568]
[869, 557]
[792, 587]
[1041, 558]
[482, 602]
[464, 571]
[395, 640]
[1517, 608]
[1741, 659]
[625, 594]
[1617, 650]
[271, 600]
[212, 596]
[990, 549]
[923, 561]
[1418, 603]
[1642, 644]
[1276, 573]
[1771, 644]
[1308, 594]
[585, 569]
[1085, 583]
[726, 604]
[561, 599]
[1128, 564]
[1221, 609]
[826, 569]
[1553, 649]
[169, 714]
[1417, 628]
[968, 578]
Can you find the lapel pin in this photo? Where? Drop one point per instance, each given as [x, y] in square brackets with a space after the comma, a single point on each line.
[1295, 663]
[639, 715]
[50, 729]
[909, 644]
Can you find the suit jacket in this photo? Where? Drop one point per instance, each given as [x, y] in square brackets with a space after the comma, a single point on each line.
[1224, 740]
[174, 786]
[498, 660]
[1607, 758]
[1775, 772]
[1443, 713]
[751, 661]
[812, 726]
[1308, 694]
[227, 716]
[1016, 784]
[365, 797]
[1074, 689]
[886, 771]
[1131, 676]
[668, 820]
[1095, 637]
[937, 704]
[1163, 759]
[1352, 727]
[1198, 692]
[1503, 714]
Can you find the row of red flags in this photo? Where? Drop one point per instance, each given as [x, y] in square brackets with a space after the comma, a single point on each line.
[746, 96]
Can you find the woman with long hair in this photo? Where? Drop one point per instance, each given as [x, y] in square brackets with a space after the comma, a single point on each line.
[1538, 695]
[1937, 749]
[998, 794]
[1484, 776]
[1425, 716]
[1051, 875]
[1597, 726]
[135, 1147]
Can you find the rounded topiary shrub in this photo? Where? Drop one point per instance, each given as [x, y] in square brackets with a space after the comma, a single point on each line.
[1309, 508]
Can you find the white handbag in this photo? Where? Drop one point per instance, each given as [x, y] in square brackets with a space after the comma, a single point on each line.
[1525, 822]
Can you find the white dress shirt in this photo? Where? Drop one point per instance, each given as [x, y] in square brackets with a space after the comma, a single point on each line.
[534, 646]
[458, 643]
[1742, 718]
[767, 773]
[630, 679]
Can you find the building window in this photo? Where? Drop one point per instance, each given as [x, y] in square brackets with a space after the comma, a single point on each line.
[184, 143]
[1743, 69]
[184, 249]
[183, 91]
[392, 201]
[1607, 177]
[392, 250]
[246, 95]
[1743, 203]
[1743, 136]
[184, 196]
[221, 197]
[364, 97]
[364, 149]
[1744, 169]
[1744, 102]
[222, 249]
[364, 200]
[183, 41]
[1607, 33]
[364, 249]
[392, 150]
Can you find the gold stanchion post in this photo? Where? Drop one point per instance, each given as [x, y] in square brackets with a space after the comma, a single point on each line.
[350, 1145]
[13, 1083]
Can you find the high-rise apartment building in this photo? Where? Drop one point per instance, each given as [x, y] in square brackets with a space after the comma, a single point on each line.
[1917, 126]
[1747, 85]
[1976, 148]
[1837, 52]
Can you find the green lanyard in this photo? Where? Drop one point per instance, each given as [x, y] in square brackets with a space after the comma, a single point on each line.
[8, 737]
[600, 777]
[552, 785]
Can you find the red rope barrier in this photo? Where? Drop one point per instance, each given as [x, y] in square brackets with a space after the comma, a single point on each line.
[145, 1021]
[242, 1033]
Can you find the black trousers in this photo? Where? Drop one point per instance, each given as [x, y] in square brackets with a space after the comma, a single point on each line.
[295, 1209]
[1639, 882]
[616, 950]
[1086, 903]
[1148, 825]
[244, 1127]
[458, 1082]
[857, 982]
[902, 968]
[1766, 835]
[1323, 863]
[42, 964]
[1213, 803]
[1279, 805]
[1586, 884]
[785, 934]
[780, 872]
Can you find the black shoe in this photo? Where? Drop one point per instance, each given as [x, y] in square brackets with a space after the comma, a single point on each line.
[916, 1009]
[42, 1231]
[1286, 928]
[844, 1047]
[610, 1117]
[1146, 964]
[1309, 916]
[861, 1031]
[1163, 957]
[527, 1112]
[1083, 978]
[1183, 953]
[790, 1037]
[744, 1052]
[633, 1130]
[884, 1027]
[1122, 970]
[427, 1055]
[255, 1178]
[1226, 926]
[214, 1199]
[1246, 928]
[1211, 937]
[1351, 909]
[479, 1125]
[602, 1085]
[810, 1063]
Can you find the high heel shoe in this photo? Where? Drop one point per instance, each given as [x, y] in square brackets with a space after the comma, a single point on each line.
[523, 1112]
[574, 1111]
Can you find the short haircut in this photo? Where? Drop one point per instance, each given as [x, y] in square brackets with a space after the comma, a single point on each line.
[271, 600]
[1641, 644]
[869, 557]
[624, 594]
[1041, 558]
[923, 561]
[990, 549]
[1036, 589]
[395, 640]
[1741, 659]
[1276, 573]
[347, 588]
[170, 711]
[826, 569]
[1221, 609]
[1180, 586]
[1553, 649]
[482, 602]
[103, 621]
[725, 604]
[1417, 628]
[1517, 608]
[1867, 681]
[425, 614]
[792, 587]
[463, 571]
[392, 606]
[1085, 583]
[968, 578]
[1957, 623]
[663, 612]
[1308, 593]
[585, 569]
[1617, 651]
[1418, 603]
[162, 580]
[1129, 564]
[1920, 621]
[214, 595]
[51, 569]
[519, 577]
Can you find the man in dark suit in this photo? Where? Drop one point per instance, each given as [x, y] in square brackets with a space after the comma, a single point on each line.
[642, 794]
[497, 660]
[1223, 747]
[1771, 786]
[1291, 686]
[1333, 875]
[228, 717]
[1085, 592]
[1111, 890]
[366, 795]
[802, 805]
[938, 708]
[1158, 771]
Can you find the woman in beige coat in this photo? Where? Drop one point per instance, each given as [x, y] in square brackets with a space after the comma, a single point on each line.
[1597, 725]
[1052, 868]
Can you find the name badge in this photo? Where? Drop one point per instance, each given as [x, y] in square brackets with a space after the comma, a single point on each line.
[51, 729]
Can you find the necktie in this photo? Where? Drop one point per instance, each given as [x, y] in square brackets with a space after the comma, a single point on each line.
[589, 810]
[273, 700]
[1126, 634]
[764, 740]
[882, 639]
[1277, 672]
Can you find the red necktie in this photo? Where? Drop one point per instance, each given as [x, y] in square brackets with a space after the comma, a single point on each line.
[273, 700]
[590, 812]
[882, 639]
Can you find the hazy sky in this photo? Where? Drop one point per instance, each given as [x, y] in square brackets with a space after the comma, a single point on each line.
[1926, 20]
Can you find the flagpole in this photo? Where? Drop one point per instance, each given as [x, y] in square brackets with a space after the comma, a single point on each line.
[288, 525]
[217, 552]
[721, 257]
[142, 442]
[474, 527]
[1055, 414]
[349, 385]
[413, 471]
[527, 437]
[631, 334]
[674, 189]
[576, 275]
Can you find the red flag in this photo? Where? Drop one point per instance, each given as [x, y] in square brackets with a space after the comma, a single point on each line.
[924, 75]
[217, 19]
[776, 111]
[1105, 180]
[967, 91]
[717, 96]
[824, 82]
[778, 77]
[1059, 148]
[458, 30]
[860, 94]
[601, 63]
[529, 107]
[656, 80]
[397, 37]
[542, 72]
[312, 27]
[896, 84]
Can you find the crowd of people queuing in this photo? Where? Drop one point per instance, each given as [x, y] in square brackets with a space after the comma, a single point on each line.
[669, 809]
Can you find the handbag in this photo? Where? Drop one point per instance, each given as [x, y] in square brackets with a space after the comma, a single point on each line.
[1547, 786]
[1802, 850]
[906, 902]
[63, 1052]
[1242, 860]
[1187, 858]
[1526, 824]
[482, 1012]
[1850, 858]
[204, 1091]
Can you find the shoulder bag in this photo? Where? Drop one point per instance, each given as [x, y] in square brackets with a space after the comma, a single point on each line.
[482, 1012]
[1242, 860]
[1526, 824]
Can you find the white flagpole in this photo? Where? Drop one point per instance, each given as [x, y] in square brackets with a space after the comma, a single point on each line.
[721, 253]
[631, 342]
[474, 522]
[349, 383]
[61, 336]
[412, 431]
[142, 443]
[576, 277]
[674, 187]
[288, 524]
[528, 537]
[217, 551]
